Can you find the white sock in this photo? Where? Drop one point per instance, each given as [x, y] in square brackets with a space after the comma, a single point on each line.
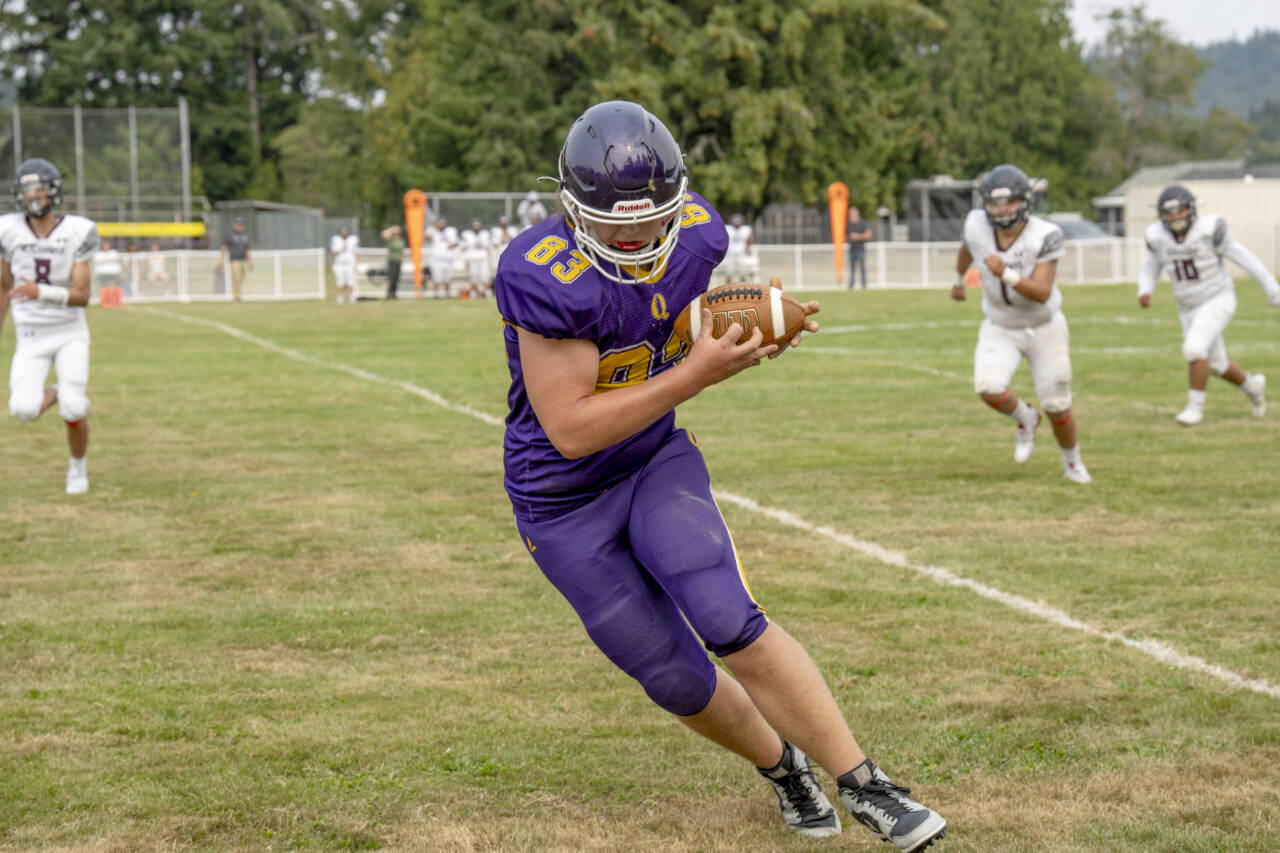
[1070, 455]
[78, 464]
[1195, 400]
[1024, 414]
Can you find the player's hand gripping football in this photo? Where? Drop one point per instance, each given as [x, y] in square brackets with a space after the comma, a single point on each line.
[811, 326]
[714, 360]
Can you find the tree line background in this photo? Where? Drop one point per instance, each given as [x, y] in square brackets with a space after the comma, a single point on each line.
[345, 105]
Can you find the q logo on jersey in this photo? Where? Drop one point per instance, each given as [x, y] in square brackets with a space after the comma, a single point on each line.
[658, 307]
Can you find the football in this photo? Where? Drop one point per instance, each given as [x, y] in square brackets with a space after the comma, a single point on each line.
[778, 316]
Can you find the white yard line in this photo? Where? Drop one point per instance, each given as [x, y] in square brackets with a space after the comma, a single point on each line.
[1161, 652]
[416, 390]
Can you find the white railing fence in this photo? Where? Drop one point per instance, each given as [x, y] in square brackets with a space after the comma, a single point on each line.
[193, 276]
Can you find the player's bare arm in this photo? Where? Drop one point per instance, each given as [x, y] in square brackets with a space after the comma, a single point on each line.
[6, 285]
[560, 377]
[964, 260]
[78, 293]
[1038, 287]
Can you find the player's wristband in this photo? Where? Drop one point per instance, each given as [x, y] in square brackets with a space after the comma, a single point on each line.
[959, 282]
[55, 295]
[1010, 277]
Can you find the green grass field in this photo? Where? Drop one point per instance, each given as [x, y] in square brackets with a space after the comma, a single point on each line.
[293, 612]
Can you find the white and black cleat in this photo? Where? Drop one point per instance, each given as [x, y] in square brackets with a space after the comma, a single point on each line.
[805, 809]
[888, 810]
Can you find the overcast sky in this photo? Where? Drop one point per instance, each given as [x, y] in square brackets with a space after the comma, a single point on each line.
[1197, 22]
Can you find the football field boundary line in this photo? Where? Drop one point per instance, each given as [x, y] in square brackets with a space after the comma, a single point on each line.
[1161, 652]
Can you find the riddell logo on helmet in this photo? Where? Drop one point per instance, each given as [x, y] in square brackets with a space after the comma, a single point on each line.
[633, 206]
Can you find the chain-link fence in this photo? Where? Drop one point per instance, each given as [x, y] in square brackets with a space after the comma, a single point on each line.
[118, 165]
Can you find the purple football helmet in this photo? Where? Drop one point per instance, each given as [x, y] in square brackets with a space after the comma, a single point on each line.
[31, 175]
[619, 166]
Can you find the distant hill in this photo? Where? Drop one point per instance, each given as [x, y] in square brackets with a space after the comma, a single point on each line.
[1242, 75]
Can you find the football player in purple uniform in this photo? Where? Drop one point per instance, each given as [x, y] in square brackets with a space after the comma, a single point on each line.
[614, 502]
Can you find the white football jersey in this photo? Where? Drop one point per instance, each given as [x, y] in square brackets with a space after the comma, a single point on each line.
[442, 242]
[475, 243]
[1195, 266]
[46, 260]
[1039, 241]
[344, 248]
[739, 236]
[500, 236]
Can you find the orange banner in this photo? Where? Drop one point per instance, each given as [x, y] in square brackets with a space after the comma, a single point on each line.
[415, 216]
[838, 202]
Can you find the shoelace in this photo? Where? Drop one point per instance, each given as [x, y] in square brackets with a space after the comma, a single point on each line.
[886, 793]
[798, 794]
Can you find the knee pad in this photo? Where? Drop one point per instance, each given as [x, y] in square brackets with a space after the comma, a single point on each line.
[73, 405]
[25, 410]
[990, 385]
[678, 688]
[1058, 399]
[726, 630]
[1195, 350]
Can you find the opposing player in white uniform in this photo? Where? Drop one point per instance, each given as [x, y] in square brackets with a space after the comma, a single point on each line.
[1018, 261]
[740, 265]
[44, 277]
[443, 240]
[475, 249]
[1192, 249]
[343, 246]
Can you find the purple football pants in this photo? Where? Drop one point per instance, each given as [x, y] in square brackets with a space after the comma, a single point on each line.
[640, 560]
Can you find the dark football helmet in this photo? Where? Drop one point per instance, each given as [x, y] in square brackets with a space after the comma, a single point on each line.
[32, 174]
[1177, 209]
[620, 165]
[1001, 185]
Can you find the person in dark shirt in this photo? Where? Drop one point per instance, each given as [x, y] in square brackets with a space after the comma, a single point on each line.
[395, 256]
[235, 247]
[614, 502]
[859, 234]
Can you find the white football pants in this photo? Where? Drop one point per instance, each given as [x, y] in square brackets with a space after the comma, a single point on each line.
[61, 345]
[1048, 352]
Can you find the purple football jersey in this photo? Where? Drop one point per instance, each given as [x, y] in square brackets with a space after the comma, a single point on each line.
[546, 285]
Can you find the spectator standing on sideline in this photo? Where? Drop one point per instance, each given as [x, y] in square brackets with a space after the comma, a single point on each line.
[343, 247]
[531, 210]
[235, 249]
[500, 235]
[44, 275]
[108, 269]
[443, 239]
[1193, 248]
[739, 262]
[614, 502]
[475, 248]
[858, 234]
[156, 278]
[395, 257]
